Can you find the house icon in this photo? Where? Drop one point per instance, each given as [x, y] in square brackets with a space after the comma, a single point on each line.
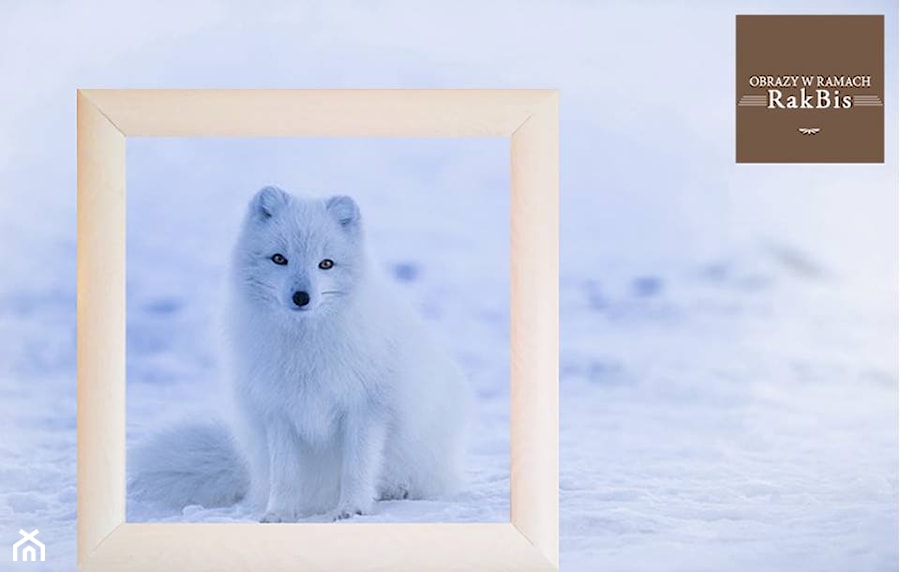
[28, 542]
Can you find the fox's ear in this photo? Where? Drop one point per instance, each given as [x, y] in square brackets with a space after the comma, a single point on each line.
[344, 209]
[267, 202]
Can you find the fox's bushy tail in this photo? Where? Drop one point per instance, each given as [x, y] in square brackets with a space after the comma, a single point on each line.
[197, 463]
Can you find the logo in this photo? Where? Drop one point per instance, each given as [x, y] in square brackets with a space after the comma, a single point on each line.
[810, 89]
[27, 547]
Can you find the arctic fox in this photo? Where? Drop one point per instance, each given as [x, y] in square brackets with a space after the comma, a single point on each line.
[341, 397]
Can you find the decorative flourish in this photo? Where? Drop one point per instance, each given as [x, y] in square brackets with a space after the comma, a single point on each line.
[867, 101]
[809, 130]
[752, 101]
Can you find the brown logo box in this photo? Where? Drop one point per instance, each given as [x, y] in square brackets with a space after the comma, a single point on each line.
[810, 89]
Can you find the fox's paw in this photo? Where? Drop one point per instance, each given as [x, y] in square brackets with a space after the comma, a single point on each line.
[344, 514]
[394, 492]
[349, 510]
[278, 516]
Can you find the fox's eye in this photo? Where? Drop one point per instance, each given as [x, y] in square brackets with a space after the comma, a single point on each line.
[326, 264]
[279, 259]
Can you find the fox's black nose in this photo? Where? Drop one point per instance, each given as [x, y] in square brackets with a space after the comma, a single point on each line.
[300, 298]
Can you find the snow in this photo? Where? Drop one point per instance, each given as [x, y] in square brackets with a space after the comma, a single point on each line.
[728, 367]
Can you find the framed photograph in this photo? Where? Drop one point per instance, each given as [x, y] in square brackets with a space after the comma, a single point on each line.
[394, 426]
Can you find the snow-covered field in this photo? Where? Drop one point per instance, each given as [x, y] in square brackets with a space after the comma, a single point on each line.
[729, 334]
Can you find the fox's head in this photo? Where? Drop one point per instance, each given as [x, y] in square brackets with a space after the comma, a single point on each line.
[302, 256]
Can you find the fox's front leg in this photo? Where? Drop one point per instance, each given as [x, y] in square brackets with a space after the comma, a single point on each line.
[284, 473]
[361, 462]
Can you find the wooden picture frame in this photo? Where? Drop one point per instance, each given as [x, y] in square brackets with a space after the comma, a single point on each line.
[529, 118]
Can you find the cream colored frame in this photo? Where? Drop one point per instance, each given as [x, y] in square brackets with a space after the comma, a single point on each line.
[529, 118]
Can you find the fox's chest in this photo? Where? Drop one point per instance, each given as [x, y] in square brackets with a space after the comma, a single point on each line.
[316, 415]
[316, 389]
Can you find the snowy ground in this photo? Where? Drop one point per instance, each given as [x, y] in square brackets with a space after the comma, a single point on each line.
[746, 423]
[728, 367]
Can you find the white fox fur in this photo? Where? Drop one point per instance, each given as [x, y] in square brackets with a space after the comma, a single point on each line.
[342, 397]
